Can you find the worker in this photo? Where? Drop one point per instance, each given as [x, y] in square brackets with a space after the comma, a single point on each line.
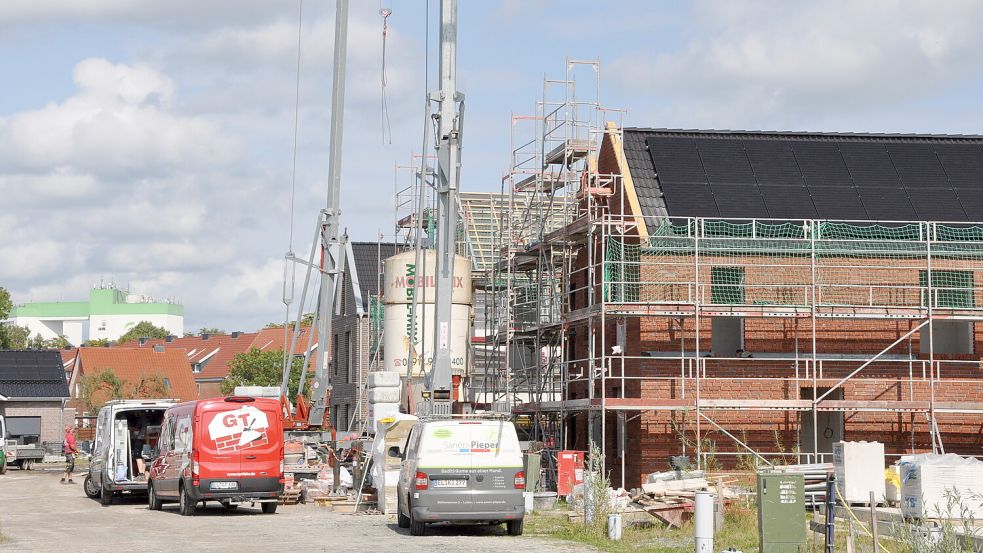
[138, 437]
[70, 448]
[743, 354]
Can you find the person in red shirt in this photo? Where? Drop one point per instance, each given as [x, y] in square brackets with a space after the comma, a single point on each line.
[71, 450]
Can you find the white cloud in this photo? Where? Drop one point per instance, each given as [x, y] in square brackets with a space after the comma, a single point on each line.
[744, 63]
[117, 123]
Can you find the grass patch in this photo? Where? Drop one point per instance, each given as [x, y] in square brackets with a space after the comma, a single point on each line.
[740, 531]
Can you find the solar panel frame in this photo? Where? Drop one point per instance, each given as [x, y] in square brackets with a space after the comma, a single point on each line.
[676, 160]
[821, 164]
[918, 165]
[725, 161]
[963, 164]
[792, 202]
[838, 202]
[740, 201]
[887, 204]
[870, 165]
[937, 204]
[689, 199]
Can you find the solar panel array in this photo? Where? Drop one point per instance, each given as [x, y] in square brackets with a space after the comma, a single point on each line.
[853, 179]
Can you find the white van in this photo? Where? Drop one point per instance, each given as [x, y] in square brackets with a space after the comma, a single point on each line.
[127, 431]
[461, 470]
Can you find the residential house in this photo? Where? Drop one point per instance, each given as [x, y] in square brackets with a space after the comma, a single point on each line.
[33, 394]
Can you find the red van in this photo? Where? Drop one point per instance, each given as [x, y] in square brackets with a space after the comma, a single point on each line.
[228, 450]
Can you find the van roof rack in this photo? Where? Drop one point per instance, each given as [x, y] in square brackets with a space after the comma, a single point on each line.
[145, 401]
[485, 415]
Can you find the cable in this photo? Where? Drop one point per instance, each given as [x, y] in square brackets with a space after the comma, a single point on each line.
[385, 13]
[857, 520]
[293, 172]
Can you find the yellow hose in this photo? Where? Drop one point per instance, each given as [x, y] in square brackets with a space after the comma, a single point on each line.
[854, 517]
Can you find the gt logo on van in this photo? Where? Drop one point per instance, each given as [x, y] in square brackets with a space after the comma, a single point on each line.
[243, 428]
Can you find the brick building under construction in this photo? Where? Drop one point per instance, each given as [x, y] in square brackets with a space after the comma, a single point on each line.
[739, 297]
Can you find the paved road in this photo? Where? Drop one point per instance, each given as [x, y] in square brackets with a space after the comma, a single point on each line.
[37, 513]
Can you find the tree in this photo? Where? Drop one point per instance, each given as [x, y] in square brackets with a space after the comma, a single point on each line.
[100, 343]
[212, 331]
[14, 337]
[263, 368]
[38, 342]
[152, 386]
[306, 320]
[98, 388]
[143, 329]
[5, 306]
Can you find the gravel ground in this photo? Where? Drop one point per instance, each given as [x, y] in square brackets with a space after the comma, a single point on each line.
[37, 513]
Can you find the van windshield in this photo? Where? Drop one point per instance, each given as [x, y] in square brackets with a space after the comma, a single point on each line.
[484, 443]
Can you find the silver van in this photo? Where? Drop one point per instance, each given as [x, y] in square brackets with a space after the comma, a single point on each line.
[461, 470]
[126, 432]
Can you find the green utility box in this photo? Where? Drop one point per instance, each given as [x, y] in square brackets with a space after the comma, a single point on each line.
[781, 512]
[531, 466]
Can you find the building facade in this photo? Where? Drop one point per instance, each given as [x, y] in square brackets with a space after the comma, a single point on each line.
[108, 314]
[33, 396]
[356, 341]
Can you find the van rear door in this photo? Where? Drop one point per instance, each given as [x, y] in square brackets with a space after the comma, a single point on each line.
[445, 457]
[495, 461]
[217, 436]
[260, 452]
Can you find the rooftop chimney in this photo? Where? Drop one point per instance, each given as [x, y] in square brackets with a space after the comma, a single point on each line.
[205, 336]
[236, 334]
[169, 338]
[143, 340]
[159, 348]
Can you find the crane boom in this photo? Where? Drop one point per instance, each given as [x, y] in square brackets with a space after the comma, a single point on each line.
[332, 253]
[449, 124]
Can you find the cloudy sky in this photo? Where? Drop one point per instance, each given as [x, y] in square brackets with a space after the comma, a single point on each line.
[151, 143]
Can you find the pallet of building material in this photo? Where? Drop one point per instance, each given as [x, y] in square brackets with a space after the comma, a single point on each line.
[329, 501]
[290, 496]
[661, 487]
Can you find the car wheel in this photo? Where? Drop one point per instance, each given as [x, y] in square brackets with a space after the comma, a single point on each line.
[402, 520]
[187, 504]
[105, 496]
[514, 527]
[417, 527]
[90, 488]
[3, 465]
[269, 508]
[26, 464]
[153, 502]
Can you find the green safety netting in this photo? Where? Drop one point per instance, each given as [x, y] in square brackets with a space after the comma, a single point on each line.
[794, 263]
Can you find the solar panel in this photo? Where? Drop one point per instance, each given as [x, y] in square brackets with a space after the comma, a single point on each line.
[887, 204]
[918, 165]
[689, 199]
[837, 202]
[725, 161]
[739, 200]
[963, 163]
[676, 159]
[773, 162]
[972, 201]
[869, 165]
[937, 204]
[821, 164]
[792, 202]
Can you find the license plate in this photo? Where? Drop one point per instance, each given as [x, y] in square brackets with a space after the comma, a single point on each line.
[450, 483]
[223, 485]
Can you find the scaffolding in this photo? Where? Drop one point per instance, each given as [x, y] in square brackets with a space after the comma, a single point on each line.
[754, 340]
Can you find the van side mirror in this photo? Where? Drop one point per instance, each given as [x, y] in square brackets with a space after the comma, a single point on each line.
[394, 452]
